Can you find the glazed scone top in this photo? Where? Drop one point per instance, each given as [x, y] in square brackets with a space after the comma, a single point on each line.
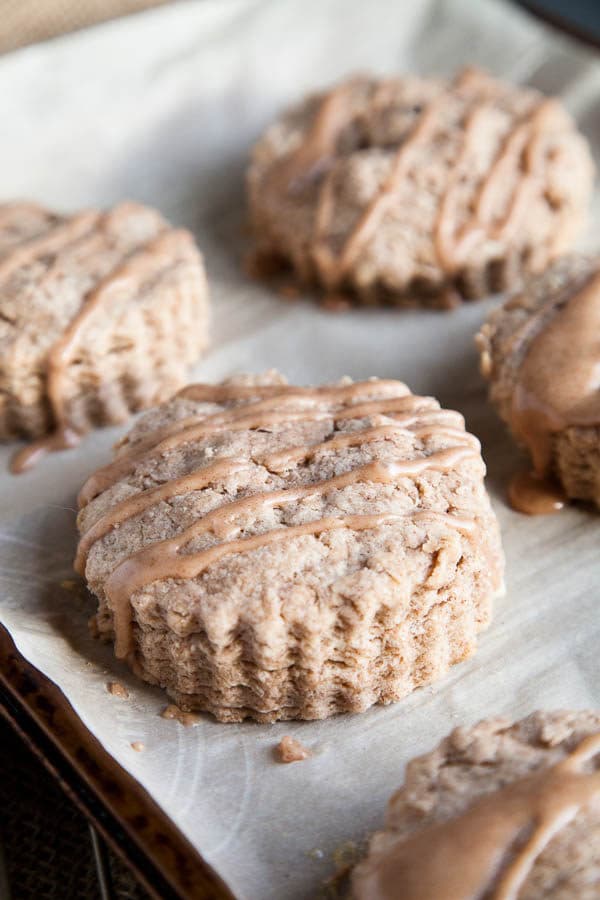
[501, 811]
[61, 276]
[541, 353]
[313, 479]
[410, 179]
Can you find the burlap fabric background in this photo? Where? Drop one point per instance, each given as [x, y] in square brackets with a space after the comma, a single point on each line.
[27, 21]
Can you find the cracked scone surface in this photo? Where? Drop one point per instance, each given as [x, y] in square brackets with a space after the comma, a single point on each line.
[274, 552]
[101, 314]
[504, 770]
[419, 191]
[540, 354]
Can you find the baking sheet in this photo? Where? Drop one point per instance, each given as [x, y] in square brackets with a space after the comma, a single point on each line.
[161, 108]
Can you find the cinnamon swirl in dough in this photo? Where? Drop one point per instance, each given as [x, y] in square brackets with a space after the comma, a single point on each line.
[276, 552]
[419, 191]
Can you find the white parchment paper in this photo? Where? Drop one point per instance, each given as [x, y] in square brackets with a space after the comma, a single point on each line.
[162, 108]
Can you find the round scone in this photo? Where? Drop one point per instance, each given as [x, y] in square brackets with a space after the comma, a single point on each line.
[541, 354]
[497, 811]
[277, 552]
[101, 314]
[419, 191]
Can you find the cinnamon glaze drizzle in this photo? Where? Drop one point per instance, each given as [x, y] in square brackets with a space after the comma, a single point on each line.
[263, 412]
[535, 496]
[489, 850]
[87, 226]
[375, 472]
[519, 157]
[557, 387]
[166, 559]
[50, 242]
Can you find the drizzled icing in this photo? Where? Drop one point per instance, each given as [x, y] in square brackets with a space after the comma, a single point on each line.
[491, 848]
[264, 411]
[376, 472]
[48, 243]
[520, 145]
[87, 227]
[535, 496]
[558, 382]
[318, 147]
[520, 158]
[332, 268]
[169, 558]
[164, 561]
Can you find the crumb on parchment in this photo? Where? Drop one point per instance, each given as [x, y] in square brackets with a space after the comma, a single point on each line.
[184, 718]
[117, 689]
[290, 750]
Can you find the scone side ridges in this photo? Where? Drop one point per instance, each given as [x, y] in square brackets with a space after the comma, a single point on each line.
[133, 573]
[142, 263]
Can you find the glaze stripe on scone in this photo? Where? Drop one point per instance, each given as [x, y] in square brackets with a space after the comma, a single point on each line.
[541, 354]
[419, 190]
[101, 313]
[497, 811]
[275, 552]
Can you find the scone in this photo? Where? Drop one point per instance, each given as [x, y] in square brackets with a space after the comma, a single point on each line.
[497, 811]
[101, 314]
[419, 191]
[277, 552]
[541, 354]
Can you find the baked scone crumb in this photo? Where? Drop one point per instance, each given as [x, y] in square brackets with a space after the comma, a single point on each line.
[184, 718]
[117, 690]
[290, 750]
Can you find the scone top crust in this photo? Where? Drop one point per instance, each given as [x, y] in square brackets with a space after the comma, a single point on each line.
[412, 185]
[290, 518]
[79, 308]
[528, 793]
[541, 355]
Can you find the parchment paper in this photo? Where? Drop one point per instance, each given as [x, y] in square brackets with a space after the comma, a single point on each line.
[162, 108]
